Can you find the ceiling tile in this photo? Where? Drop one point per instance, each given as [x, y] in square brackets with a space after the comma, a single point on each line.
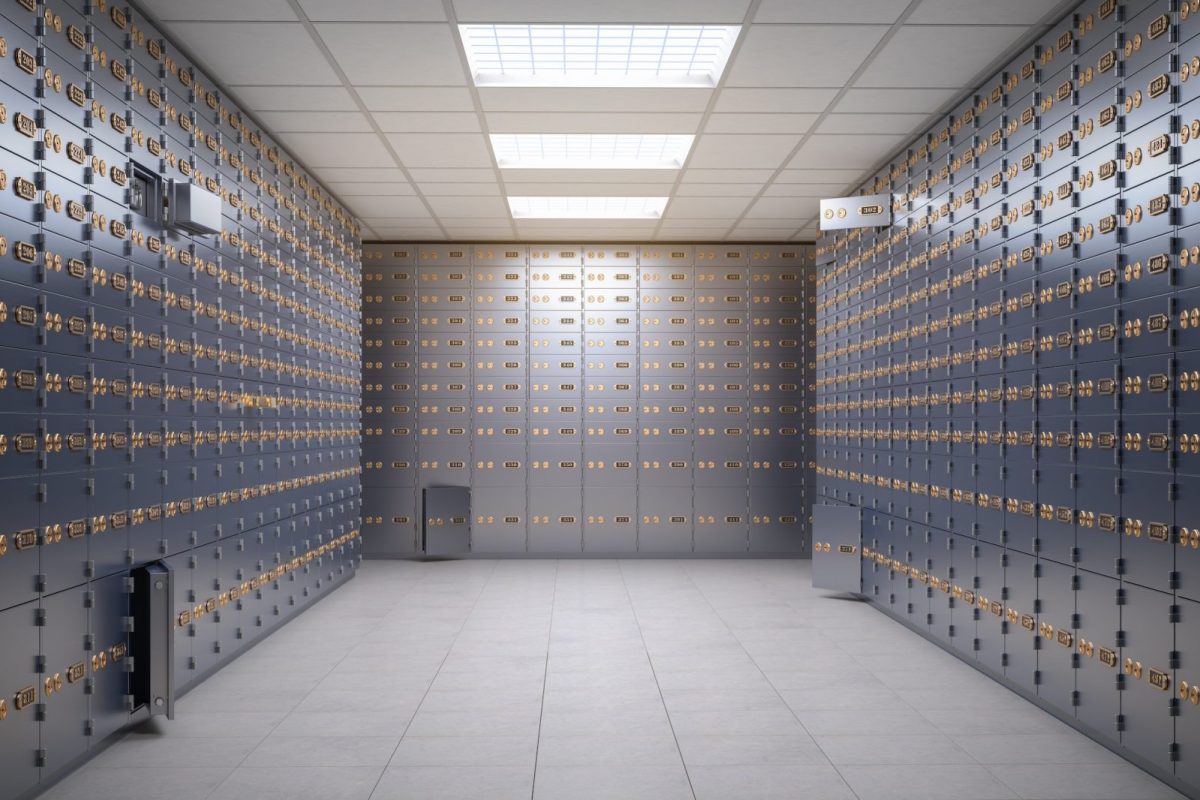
[803, 55]
[446, 207]
[759, 123]
[795, 208]
[427, 121]
[987, 12]
[805, 189]
[572, 188]
[727, 175]
[761, 234]
[718, 189]
[273, 52]
[582, 122]
[451, 175]
[650, 179]
[403, 234]
[833, 176]
[615, 11]
[219, 10]
[416, 98]
[317, 150]
[374, 10]
[894, 101]
[280, 122]
[364, 174]
[476, 232]
[872, 123]
[624, 101]
[851, 151]
[942, 55]
[789, 101]
[373, 207]
[294, 98]
[367, 188]
[706, 207]
[823, 11]
[395, 54]
[441, 149]
[730, 150]
[489, 189]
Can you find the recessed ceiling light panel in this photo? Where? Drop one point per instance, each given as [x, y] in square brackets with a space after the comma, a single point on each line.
[598, 55]
[587, 207]
[591, 150]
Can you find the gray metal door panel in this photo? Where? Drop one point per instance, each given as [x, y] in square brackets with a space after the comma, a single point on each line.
[989, 600]
[555, 520]
[665, 514]
[1187, 724]
[62, 681]
[106, 629]
[610, 519]
[722, 519]
[20, 733]
[1056, 629]
[498, 520]
[1147, 620]
[1099, 666]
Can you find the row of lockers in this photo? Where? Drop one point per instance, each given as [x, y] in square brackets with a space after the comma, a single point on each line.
[1003, 381]
[379, 257]
[1119, 658]
[166, 397]
[66, 662]
[1138, 526]
[63, 529]
[631, 518]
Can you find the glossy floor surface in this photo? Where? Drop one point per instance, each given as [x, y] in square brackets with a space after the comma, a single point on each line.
[601, 679]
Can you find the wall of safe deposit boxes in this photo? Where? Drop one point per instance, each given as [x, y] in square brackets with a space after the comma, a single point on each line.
[598, 398]
[163, 397]
[1009, 378]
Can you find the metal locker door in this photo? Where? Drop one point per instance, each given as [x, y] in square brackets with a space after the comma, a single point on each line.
[1187, 724]
[721, 516]
[107, 712]
[941, 571]
[1056, 630]
[837, 548]
[446, 520]
[665, 514]
[19, 734]
[989, 600]
[62, 679]
[498, 521]
[610, 519]
[555, 524]
[1147, 653]
[963, 610]
[1098, 701]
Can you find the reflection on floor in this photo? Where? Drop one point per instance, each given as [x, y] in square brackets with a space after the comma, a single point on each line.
[601, 679]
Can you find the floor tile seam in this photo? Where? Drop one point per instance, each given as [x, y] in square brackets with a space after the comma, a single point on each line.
[770, 683]
[633, 607]
[449, 649]
[537, 746]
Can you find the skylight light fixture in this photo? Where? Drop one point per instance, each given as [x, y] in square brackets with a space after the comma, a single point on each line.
[591, 150]
[587, 207]
[598, 55]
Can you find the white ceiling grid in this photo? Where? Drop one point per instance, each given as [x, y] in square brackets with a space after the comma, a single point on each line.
[376, 98]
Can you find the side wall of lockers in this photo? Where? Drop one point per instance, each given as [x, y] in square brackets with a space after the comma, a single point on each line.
[606, 399]
[1008, 379]
[164, 397]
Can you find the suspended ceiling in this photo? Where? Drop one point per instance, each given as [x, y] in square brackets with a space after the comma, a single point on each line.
[375, 97]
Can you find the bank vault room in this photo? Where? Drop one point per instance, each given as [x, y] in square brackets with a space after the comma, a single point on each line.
[660, 400]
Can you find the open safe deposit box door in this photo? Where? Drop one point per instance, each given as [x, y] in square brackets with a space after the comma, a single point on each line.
[837, 548]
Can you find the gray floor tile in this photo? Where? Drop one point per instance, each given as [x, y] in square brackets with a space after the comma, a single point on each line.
[298, 783]
[926, 782]
[450, 751]
[177, 783]
[1096, 782]
[1047, 748]
[893, 748]
[769, 782]
[615, 750]
[141, 751]
[327, 751]
[455, 783]
[606, 783]
[726, 750]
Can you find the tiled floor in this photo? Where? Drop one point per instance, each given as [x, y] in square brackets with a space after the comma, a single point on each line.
[721, 680]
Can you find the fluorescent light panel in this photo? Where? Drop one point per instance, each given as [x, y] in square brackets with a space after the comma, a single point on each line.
[591, 150]
[587, 207]
[598, 55]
